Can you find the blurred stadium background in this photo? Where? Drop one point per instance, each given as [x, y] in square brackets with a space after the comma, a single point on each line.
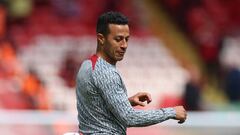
[181, 51]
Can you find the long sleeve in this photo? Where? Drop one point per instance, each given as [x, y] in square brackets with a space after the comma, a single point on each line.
[114, 93]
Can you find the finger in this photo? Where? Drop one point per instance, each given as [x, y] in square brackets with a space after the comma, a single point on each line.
[140, 103]
[148, 101]
[147, 97]
[143, 97]
[181, 121]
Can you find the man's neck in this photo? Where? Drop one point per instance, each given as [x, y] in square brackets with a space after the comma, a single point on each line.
[107, 59]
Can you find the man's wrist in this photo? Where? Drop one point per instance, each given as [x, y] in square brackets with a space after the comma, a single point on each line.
[169, 112]
[130, 100]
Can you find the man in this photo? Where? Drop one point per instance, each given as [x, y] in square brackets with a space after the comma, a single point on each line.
[102, 102]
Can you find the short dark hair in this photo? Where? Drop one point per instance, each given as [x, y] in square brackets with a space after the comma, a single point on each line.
[110, 18]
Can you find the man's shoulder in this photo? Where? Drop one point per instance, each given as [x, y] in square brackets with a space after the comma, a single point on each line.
[86, 64]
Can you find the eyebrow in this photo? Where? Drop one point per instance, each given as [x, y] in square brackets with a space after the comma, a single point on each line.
[122, 36]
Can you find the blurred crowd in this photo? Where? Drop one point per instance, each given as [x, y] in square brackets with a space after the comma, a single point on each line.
[22, 87]
[210, 24]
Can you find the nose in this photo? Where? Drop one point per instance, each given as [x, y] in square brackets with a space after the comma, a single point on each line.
[124, 44]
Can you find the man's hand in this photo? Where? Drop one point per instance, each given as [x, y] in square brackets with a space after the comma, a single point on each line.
[140, 98]
[181, 114]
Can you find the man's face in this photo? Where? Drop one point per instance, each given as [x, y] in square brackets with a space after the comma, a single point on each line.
[116, 42]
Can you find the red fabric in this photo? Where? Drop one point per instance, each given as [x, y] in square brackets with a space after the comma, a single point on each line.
[94, 60]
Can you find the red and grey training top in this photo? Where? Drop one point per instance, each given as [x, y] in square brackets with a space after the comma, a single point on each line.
[103, 105]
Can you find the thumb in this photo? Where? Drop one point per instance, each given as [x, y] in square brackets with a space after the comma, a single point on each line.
[140, 103]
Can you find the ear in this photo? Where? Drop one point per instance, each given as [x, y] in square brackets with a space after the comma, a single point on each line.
[100, 38]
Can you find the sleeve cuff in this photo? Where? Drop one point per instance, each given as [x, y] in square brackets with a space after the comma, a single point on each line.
[169, 113]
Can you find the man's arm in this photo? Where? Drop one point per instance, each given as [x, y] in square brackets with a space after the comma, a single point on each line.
[141, 97]
[115, 96]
